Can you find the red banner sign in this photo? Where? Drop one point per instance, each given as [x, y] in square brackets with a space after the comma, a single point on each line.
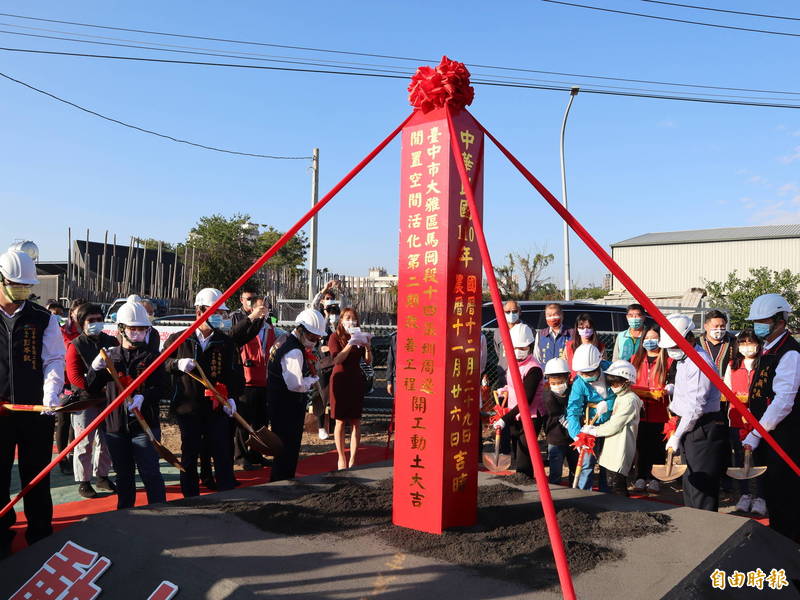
[437, 380]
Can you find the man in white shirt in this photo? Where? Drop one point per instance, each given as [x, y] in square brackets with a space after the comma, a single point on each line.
[774, 402]
[288, 384]
[31, 372]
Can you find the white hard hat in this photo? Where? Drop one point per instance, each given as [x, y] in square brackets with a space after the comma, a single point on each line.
[18, 267]
[521, 336]
[312, 320]
[683, 323]
[28, 247]
[622, 368]
[207, 297]
[134, 314]
[586, 358]
[556, 366]
[766, 305]
[133, 298]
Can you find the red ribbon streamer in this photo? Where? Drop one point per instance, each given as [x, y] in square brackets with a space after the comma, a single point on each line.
[670, 427]
[215, 402]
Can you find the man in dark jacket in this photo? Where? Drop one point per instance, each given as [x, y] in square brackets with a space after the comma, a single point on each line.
[197, 411]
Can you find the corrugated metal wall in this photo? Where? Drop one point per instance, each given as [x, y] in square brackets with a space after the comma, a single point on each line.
[674, 268]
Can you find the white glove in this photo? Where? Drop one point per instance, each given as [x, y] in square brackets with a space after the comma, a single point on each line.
[590, 429]
[135, 403]
[601, 408]
[670, 388]
[499, 424]
[310, 381]
[673, 443]
[51, 401]
[186, 364]
[230, 407]
[752, 440]
[99, 363]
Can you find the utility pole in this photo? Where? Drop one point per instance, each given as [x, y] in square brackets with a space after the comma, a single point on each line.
[567, 284]
[312, 248]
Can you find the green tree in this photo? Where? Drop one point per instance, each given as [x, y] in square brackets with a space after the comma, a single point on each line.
[532, 268]
[292, 254]
[528, 269]
[225, 247]
[735, 295]
[592, 292]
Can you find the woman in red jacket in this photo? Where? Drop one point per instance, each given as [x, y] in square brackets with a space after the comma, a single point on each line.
[348, 346]
[652, 366]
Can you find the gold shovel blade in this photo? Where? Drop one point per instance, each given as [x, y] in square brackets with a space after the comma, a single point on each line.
[265, 442]
[667, 473]
[742, 473]
[503, 462]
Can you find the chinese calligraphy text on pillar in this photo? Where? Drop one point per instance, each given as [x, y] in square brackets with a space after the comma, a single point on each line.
[438, 328]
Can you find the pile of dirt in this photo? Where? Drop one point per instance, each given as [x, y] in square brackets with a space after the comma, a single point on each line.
[508, 542]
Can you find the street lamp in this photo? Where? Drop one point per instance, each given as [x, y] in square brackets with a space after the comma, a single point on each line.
[567, 285]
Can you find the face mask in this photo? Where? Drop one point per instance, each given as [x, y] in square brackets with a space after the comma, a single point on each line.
[585, 332]
[650, 344]
[333, 319]
[327, 302]
[762, 330]
[717, 334]
[521, 354]
[635, 322]
[617, 388]
[676, 353]
[559, 389]
[553, 321]
[217, 321]
[589, 378]
[512, 317]
[350, 327]
[94, 328]
[748, 351]
[17, 292]
[308, 343]
[137, 337]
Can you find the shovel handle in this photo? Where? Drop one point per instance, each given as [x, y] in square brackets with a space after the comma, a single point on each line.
[205, 381]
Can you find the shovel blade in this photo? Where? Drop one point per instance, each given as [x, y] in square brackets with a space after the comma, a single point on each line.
[503, 462]
[310, 423]
[667, 473]
[78, 405]
[265, 442]
[742, 473]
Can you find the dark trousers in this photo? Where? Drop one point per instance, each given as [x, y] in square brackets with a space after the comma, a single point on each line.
[215, 427]
[252, 405]
[619, 483]
[287, 416]
[781, 484]
[520, 445]
[706, 452]
[129, 451]
[650, 448]
[31, 435]
[63, 430]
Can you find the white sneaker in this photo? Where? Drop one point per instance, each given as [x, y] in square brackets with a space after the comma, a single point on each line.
[323, 434]
[759, 507]
[639, 485]
[653, 486]
[744, 503]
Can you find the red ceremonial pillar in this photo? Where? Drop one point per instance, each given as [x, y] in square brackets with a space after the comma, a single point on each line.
[437, 377]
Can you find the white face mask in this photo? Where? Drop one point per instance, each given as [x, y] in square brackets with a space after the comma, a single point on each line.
[521, 354]
[512, 317]
[748, 351]
[333, 319]
[136, 336]
[350, 327]
[676, 353]
[559, 389]
[716, 334]
[617, 388]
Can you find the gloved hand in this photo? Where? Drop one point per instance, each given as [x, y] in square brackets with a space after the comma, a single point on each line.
[672, 443]
[590, 429]
[51, 400]
[99, 363]
[310, 381]
[670, 388]
[135, 403]
[499, 424]
[601, 408]
[186, 364]
[230, 407]
[114, 353]
[752, 440]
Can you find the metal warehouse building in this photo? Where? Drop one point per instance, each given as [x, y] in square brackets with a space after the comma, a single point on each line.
[668, 265]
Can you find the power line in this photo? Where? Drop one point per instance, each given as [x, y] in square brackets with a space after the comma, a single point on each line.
[388, 76]
[385, 56]
[149, 131]
[722, 10]
[646, 16]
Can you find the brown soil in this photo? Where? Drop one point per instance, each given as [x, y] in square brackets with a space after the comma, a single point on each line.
[509, 542]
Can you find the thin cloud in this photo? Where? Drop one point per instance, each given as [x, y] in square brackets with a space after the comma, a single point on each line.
[790, 158]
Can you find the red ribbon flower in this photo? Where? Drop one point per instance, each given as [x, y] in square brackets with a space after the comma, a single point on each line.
[125, 380]
[584, 440]
[670, 427]
[499, 413]
[445, 84]
[222, 389]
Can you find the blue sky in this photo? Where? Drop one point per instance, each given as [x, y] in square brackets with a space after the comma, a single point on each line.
[634, 165]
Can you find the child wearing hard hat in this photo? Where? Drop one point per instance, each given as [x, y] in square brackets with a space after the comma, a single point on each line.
[555, 395]
[531, 371]
[775, 402]
[619, 432]
[701, 434]
[590, 401]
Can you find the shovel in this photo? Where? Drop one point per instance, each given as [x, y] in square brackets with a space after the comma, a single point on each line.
[76, 406]
[581, 455]
[668, 472]
[262, 441]
[494, 461]
[160, 448]
[748, 471]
